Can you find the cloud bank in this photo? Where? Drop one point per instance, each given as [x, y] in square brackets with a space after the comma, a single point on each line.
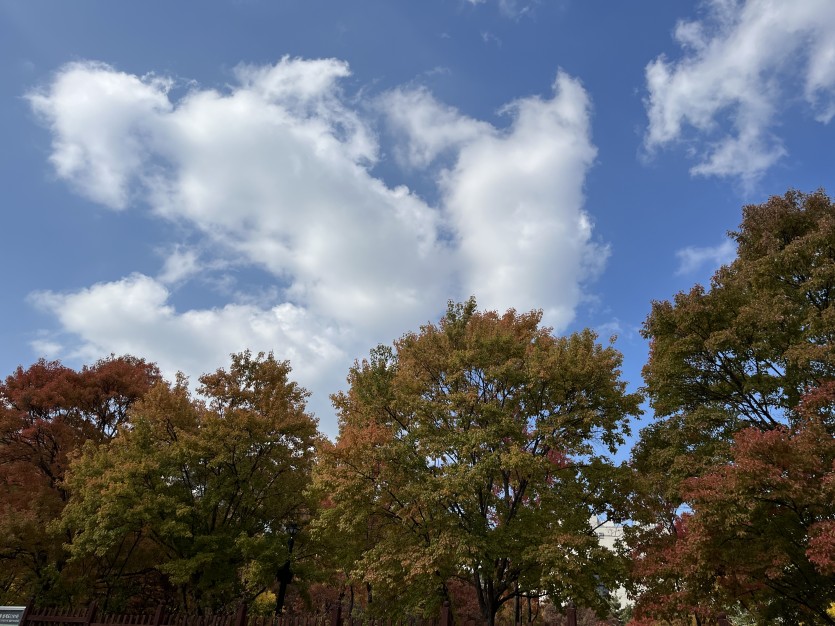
[742, 65]
[276, 172]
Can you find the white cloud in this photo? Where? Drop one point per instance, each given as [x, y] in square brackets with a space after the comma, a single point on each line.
[274, 172]
[515, 8]
[489, 38]
[612, 328]
[98, 117]
[693, 258]
[181, 264]
[511, 8]
[134, 316]
[741, 67]
[47, 348]
[515, 202]
[513, 197]
[429, 127]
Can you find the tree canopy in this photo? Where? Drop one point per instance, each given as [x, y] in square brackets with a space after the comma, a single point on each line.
[744, 352]
[727, 371]
[758, 528]
[474, 450]
[472, 463]
[47, 412]
[199, 493]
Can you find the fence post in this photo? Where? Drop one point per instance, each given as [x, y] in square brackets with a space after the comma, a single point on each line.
[571, 615]
[29, 606]
[91, 613]
[446, 614]
[240, 616]
[158, 616]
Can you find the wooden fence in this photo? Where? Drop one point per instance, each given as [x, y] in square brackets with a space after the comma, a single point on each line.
[90, 616]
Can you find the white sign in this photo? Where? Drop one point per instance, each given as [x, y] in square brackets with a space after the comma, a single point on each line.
[10, 615]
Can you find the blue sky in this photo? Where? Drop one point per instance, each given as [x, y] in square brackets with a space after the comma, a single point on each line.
[187, 179]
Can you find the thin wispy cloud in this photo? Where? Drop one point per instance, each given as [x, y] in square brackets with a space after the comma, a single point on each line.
[692, 259]
[510, 8]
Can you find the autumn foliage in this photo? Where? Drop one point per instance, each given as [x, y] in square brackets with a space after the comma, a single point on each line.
[469, 452]
[47, 412]
[758, 533]
[472, 459]
[732, 482]
[197, 495]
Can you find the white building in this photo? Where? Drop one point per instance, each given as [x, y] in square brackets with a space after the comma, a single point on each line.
[609, 534]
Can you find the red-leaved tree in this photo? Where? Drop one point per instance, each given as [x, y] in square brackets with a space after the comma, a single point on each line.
[47, 412]
[760, 533]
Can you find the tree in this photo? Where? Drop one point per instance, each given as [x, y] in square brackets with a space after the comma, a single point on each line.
[755, 537]
[740, 355]
[750, 533]
[47, 412]
[209, 487]
[473, 450]
[743, 353]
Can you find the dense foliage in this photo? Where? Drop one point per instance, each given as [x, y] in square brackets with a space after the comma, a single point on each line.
[727, 371]
[470, 451]
[199, 493]
[47, 412]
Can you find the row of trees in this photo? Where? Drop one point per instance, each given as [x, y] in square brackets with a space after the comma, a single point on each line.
[472, 459]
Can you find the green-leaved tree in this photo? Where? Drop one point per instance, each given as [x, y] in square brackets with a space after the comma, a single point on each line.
[200, 493]
[474, 450]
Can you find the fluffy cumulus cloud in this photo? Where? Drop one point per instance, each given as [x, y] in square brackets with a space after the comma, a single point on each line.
[741, 66]
[133, 316]
[430, 128]
[98, 117]
[513, 201]
[276, 172]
